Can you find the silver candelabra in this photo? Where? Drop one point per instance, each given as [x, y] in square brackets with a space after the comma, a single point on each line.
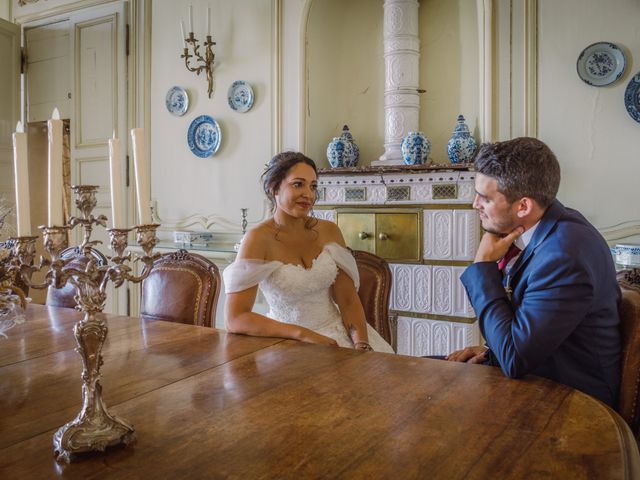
[94, 428]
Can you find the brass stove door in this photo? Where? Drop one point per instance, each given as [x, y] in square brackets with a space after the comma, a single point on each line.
[398, 236]
[358, 230]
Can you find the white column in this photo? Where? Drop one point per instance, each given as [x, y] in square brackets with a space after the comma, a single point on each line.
[401, 60]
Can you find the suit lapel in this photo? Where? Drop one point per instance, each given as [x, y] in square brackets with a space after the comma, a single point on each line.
[551, 216]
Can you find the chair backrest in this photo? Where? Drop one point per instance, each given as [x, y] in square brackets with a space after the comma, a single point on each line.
[374, 292]
[183, 287]
[628, 405]
[65, 296]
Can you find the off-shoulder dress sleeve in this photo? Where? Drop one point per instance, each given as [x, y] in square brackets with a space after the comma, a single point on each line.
[247, 273]
[344, 259]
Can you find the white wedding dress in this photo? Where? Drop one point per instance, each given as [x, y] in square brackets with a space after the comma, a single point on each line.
[302, 296]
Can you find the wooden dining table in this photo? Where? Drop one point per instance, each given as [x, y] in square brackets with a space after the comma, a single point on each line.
[208, 404]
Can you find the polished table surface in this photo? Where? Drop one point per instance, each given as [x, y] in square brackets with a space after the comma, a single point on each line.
[206, 404]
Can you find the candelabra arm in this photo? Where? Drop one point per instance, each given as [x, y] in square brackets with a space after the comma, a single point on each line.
[201, 63]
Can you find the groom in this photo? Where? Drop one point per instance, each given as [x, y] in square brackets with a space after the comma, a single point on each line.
[549, 307]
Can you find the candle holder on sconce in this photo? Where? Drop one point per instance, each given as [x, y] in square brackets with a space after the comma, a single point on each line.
[202, 63]
[94, 428]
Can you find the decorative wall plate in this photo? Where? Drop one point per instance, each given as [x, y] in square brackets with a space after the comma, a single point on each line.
[632, 97]
[240, 96]
[601, 64]
[177, 101]
[204, 136]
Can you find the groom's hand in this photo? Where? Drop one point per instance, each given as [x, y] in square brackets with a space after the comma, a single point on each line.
[469, 355]
[493, 247]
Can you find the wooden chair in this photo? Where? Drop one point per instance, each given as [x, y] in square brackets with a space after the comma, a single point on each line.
[629, 402]
[374, 292]
[183, 287]
[65, 296]
[8, 245]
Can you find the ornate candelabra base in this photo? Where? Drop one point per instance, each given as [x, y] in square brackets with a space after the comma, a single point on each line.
[94, 429]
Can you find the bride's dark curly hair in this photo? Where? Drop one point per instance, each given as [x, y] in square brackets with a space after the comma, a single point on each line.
[276, 171]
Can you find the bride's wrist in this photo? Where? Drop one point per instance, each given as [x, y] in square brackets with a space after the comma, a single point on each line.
[362, 346]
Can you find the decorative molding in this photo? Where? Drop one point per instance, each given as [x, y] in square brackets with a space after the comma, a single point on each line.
[420, 185]
[513, 69]
[329, 215]
[45, 13]
[276, 66]
[450, 234]
[485, 61]
[429, 289]
[211, 223]
[531, 68]
[421, 337]
[621, 230]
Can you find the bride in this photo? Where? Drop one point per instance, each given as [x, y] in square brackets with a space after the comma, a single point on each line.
[308, 277]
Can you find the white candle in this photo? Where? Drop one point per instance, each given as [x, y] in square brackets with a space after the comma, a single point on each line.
[55, 169]
[184, 37]
[191, 18]
[117, 216]
[209, 21]
[141, 172]
[21, 176]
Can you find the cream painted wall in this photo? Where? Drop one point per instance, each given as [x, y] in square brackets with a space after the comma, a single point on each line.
[596, 141]
[345, 72]
[5, 9]
[448, 70]
[216, 187]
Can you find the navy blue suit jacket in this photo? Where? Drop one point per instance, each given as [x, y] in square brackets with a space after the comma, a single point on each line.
[562, 319]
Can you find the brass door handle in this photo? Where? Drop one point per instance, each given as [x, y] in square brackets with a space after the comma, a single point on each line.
[383, 236]
[363, 235]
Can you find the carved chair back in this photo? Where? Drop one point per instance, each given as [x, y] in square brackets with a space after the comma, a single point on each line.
[375, 290]
[183, 287]
[629, 401]
[65, 296]
[18, 282]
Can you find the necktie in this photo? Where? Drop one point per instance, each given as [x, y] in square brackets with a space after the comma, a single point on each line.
[512, 252]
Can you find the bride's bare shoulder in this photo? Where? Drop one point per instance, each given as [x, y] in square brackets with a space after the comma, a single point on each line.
[330, 232]
[256, 242]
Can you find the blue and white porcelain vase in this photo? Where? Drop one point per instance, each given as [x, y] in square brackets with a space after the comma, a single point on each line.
[415, 148]
[462, 145]
[346, 135]
[340, 153]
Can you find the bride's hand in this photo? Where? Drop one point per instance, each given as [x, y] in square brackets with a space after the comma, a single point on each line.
[310, 336]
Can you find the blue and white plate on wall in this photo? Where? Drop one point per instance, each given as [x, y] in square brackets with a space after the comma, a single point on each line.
[601, 64]
[240, 96]
[632, 97]
[204, 136]
[177, 101]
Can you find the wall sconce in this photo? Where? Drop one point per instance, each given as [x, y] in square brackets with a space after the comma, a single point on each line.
[200, 63]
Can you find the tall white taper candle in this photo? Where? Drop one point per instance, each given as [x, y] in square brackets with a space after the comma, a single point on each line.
[21, 171]
[184, 37]
[55, 169]
[115, 174]
[141, 171]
